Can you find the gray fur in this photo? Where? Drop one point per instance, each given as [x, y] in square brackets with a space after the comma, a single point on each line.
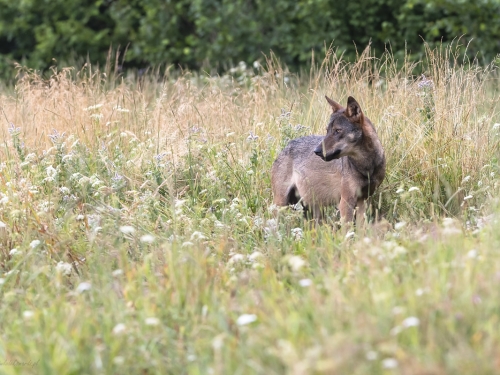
[342, 168]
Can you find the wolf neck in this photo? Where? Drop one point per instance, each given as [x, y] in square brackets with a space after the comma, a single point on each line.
[368, 162]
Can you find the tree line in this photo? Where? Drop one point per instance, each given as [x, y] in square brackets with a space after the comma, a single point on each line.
[197, 34]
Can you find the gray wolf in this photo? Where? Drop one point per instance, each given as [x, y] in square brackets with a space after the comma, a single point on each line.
[342, 168]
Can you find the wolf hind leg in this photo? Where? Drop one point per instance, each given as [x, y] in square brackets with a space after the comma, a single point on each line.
[285, 195]
[313, 212]
[318, 214]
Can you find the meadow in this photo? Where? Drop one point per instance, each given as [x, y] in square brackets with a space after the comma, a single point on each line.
[138, 234]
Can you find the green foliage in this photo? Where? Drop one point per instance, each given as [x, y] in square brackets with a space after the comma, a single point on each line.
[215, 33]
[438, 21]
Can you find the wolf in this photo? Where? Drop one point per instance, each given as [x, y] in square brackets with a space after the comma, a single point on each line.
[342, 168]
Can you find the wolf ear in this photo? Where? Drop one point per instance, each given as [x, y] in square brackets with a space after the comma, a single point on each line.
[335, 106]
[353, 111]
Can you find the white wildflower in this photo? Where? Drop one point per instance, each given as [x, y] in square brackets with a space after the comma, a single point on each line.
[147, 238]
[197, 236]
[255, 255]
[451, 230]
[398, 250]
[127, 229]
[246, 319]
[93, 107]
[179, 203]
[84, 286]
[14, 251]
[118, 360]
[80, 217]
[297, 234]
[118, 108]
[83, 180]
[236, 258]
[400, 225]
[94, 181]
[296, 263]
[411, 321]
[305, 283]
[51, 171]
[219, 225]
[400, 190]
[119, 329]
[448, 222]
[350, 235]
[4, 200]
[397, 310]
[152, 321]
[30, 157]
[272, 208]
[28, 314]
[389, 363]
[257, 266]
[220, 200]
[372, 355]
[64, 268]
[218, 341]
[396, 331]
[413, 188]
[271, 224]
[35, 243]
[472, 254]
[466, 178]
[117, 272]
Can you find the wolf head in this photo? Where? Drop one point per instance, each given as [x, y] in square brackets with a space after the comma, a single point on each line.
[343, 132]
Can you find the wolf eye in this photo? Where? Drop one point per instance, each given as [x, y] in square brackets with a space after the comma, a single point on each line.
[337, 131]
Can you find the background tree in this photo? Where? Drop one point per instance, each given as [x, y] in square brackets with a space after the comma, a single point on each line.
[216, 33]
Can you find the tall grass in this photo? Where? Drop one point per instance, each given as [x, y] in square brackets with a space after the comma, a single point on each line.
[138, 235]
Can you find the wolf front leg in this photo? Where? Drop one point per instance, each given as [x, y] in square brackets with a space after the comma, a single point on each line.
[360, 214]
[346, 208]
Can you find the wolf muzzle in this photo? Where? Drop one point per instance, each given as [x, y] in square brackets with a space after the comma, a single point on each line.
[329, 156]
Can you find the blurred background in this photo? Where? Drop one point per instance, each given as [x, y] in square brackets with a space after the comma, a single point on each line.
[214, 35]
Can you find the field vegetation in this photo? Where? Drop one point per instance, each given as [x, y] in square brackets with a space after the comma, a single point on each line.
[138, 234]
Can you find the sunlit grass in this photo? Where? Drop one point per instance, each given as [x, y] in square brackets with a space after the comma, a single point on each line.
[138, 234]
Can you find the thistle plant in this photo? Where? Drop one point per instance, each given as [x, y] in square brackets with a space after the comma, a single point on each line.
[15, 134]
